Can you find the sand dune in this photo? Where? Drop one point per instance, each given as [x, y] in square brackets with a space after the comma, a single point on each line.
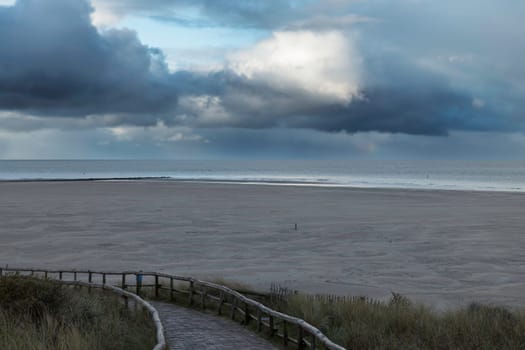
[440, 247]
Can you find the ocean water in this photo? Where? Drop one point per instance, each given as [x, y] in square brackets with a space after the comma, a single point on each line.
[450, 175]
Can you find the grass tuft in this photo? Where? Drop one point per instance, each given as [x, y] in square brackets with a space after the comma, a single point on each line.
[362, 323]
[44, 314]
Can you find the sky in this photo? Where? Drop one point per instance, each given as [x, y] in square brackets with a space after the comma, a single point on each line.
[236, 79]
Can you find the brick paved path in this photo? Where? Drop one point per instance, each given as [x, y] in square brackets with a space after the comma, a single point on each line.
[188, 329]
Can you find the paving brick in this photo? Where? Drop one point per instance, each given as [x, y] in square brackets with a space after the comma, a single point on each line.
[188, 329]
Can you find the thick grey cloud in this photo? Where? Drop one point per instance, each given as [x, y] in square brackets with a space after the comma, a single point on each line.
[406, 100]
[54, 62]
[475, 45]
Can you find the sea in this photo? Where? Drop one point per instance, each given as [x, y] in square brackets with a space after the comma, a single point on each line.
[405, 174]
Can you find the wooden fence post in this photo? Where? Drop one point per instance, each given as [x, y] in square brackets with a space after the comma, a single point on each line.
[138, 282]
[259, 320]
[203, 298]
[60, 275]
[246, 314]
[171, 289]
[157, 286]
[234, 306]
[90, 280]
[300, 337]
[221, 302]
[103, 279]
[190, 301]
[74, 276]
[272, 329]
[285, 333]
[123, 284]
[312, 343]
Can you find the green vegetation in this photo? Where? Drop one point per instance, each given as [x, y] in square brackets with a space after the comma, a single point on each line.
[43, 314]
[361, 323]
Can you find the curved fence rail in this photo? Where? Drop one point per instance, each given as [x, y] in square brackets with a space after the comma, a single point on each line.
[127, 296]
[159, 329]
[291, 330]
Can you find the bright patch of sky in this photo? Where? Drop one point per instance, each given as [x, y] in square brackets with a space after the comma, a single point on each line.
[195, 48]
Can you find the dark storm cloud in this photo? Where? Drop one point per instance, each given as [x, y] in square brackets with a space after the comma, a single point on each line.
[54, 62]
[399, 95]
[405, 100]
[474, 45]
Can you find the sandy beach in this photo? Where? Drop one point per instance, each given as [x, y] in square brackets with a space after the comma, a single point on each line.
[443, 248]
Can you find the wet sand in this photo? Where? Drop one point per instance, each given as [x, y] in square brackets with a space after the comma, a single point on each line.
[443, 248]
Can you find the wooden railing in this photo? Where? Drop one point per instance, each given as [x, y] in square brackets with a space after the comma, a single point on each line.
[127, 296]
[291, 330]
[159, 329]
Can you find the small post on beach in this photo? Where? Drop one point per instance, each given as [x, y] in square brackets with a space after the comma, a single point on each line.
[295, 226]
[123, 283]
[90, 277]
[157, 286]
[103, 279]
[60, 275]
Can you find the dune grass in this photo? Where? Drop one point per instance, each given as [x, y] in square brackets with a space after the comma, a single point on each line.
[43, 314]
[362, 323]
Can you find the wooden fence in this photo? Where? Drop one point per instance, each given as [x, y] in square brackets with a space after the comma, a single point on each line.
[127, 296]
[206, 295]
[159, 329]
